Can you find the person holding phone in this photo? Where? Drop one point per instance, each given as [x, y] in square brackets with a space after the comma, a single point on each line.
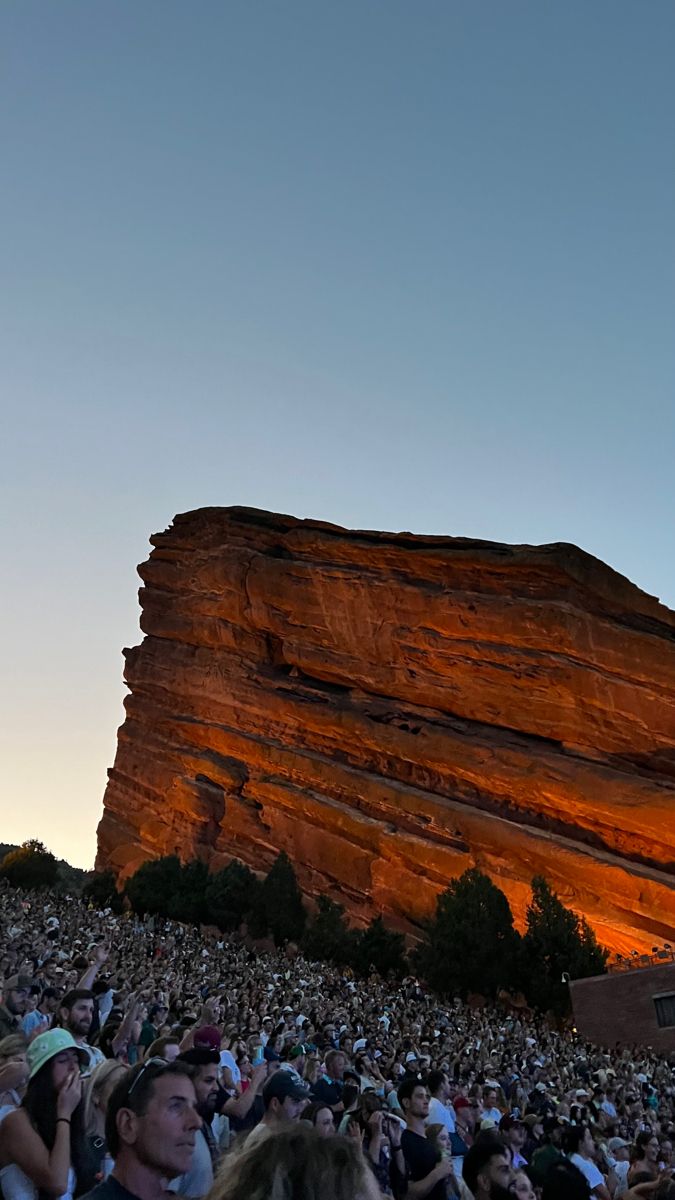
[43, 1144]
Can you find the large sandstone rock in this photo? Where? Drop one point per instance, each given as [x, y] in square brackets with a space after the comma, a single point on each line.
[392, 709]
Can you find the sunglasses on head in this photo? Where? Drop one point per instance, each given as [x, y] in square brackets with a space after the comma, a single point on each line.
[159, 1063]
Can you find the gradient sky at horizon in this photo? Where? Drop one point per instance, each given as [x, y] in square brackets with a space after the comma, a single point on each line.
[393, 265]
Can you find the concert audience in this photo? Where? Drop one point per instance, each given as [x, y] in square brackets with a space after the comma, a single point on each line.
[227, 1070]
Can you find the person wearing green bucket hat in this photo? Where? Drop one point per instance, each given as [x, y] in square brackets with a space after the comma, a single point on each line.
[42, 1143]
[47, 1045]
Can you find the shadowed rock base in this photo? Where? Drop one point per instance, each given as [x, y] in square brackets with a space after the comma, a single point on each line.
[392, 709]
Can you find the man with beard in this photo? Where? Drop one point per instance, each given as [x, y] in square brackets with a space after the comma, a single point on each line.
[426, 1176]
[487, 1170]
[550, 1153]
[15, 996]
[198, 1181]
[76, 1015]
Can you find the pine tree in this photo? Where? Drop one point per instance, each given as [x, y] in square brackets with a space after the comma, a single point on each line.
[154, 886]
[101, 889]
[327, 936]
[557, 941]
[379, 948]
[188, 902]
[280, 907]
[230, 895]
[471, 944]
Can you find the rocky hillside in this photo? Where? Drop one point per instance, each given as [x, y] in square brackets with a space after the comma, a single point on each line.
[391, 709]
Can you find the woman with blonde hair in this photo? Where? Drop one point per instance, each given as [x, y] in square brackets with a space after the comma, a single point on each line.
[312, 1069]
[97, 1092]
[297, 1164]
[13, 1072]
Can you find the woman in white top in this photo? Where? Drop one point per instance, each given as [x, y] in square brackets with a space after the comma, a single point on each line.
[581, 1151]
[42, 1145]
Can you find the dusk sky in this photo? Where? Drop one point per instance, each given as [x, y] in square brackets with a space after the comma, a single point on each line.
[394, 265]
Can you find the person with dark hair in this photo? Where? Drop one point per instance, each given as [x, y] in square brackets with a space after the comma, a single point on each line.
[380, 1133]
[514, 1133]
[440, 1111]
[487, 1169]
[551, 1152]
[534, 1137]
[426, 1176]
[157, 1014]
[40, 1019]
[351, 1099]
[42, 1143]
[329, 1085]
[564, 1181]
[522, 1186]
[167, 1047]
[490, 1110]
[198, 1181]
[150, 1128]
[285, 1098]
[320, 1117]
[76, 1013]
[15, 998]
[580, 1149]
[645, 1156]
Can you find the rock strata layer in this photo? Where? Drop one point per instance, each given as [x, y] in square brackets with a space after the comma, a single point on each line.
[391, 709]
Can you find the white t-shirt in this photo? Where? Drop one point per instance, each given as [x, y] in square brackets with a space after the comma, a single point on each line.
[440, 1114]
[17, 1186]
[589, 1169]
[227, 1059]
[621, 1170]
[258, 1134]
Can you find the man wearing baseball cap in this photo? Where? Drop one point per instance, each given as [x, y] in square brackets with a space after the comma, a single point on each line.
[285, 1099]
[296, 1059]
[550, 1152]
[15, 994]
[618, 1153]
[514, 1132]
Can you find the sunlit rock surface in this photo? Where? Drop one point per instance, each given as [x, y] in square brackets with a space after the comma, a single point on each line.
[392, 709]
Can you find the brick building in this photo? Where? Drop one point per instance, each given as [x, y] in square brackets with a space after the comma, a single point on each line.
[628, 1006]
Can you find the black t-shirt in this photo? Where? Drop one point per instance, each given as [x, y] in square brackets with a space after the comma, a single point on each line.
[255, 1114]
[420, 1160]
[111, 1189]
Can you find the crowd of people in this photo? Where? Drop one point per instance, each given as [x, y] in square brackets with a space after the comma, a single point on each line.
[140, 1057]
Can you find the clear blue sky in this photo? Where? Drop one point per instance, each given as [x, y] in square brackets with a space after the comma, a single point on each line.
[396, 265]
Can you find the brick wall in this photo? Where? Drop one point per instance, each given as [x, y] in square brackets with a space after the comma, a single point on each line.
[620, 1008]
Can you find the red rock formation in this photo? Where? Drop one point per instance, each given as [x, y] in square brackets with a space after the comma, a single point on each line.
[391, 709]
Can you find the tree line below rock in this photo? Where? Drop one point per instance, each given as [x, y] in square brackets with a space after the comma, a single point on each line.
[470, 945]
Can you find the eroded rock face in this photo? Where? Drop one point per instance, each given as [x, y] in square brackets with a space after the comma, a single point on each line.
[392, 709]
